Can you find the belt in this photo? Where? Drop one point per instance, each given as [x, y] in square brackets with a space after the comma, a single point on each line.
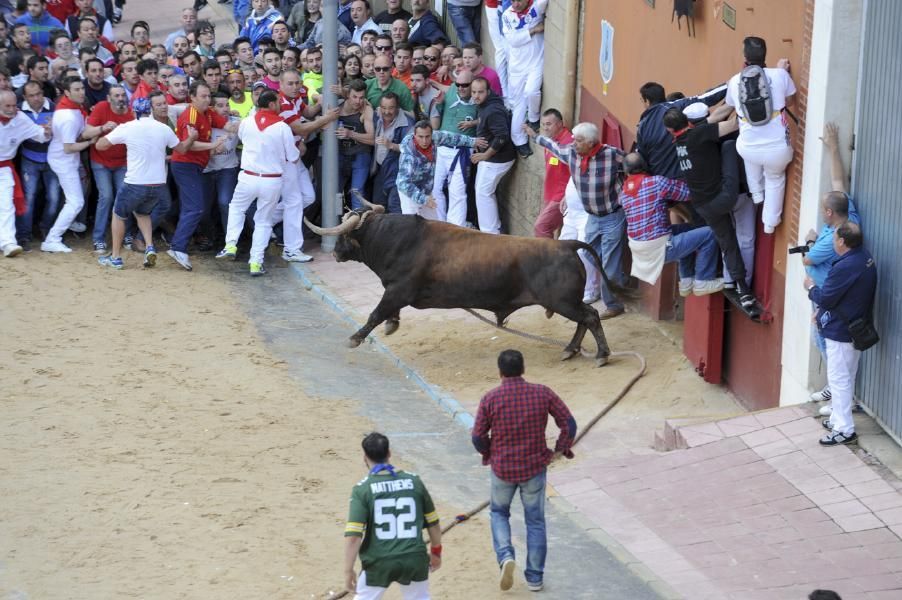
[264, 175]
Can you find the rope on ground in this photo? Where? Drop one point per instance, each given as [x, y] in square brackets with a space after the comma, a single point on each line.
[461, 518]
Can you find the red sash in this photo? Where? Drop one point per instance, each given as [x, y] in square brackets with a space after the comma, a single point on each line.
[18, 190]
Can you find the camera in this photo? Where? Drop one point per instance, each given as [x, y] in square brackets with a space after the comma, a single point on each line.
[803, 250]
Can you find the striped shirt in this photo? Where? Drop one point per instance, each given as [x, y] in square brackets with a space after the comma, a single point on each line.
[598, 185]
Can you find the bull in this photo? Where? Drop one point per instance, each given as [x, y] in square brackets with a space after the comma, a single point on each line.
[432, 264]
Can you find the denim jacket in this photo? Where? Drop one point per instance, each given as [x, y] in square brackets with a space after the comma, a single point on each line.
[416, 173]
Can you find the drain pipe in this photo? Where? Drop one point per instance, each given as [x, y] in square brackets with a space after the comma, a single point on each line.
[573, 36]
[331, 200]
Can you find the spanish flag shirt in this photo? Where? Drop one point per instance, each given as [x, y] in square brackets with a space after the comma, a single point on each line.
[203, 122]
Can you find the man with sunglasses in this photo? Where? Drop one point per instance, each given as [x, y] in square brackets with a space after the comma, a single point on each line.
[383, 82]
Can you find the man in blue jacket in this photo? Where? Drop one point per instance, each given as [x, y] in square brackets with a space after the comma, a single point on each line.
[425, 29]
[847, 294]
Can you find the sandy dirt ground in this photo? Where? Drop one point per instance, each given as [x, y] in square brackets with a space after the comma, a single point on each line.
[153, 448]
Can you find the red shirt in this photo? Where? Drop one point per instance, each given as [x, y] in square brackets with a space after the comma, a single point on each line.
[557, 173]
[492, 3]
[62, 9]
[510, 424]
[204, 124]
[114, 156]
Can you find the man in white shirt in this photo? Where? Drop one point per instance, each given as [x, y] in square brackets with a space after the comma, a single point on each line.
[361, 15]
[146, 141]
[765, 147]
[15, 128]
[269, 150]
[70, 137]
[523, 25]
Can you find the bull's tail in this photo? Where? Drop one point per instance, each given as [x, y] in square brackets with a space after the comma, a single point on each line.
[617, 290]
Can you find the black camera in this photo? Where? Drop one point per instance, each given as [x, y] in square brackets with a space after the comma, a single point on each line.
[803, 250]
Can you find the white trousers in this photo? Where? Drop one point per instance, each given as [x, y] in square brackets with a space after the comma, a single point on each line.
[574, 228]
[70, 182]
[765, 171]
[7, 208]
[488, 176]
[265, 190]
[297, 194]
[410, 207]
[525, 98]
[456, 201]
[493, 15]
[417, 590]
[842, 367]
[744, 222]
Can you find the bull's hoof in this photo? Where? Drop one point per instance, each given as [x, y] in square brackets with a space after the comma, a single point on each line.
[353, 342]
[568, 354]
[601, 361]
[391, 327]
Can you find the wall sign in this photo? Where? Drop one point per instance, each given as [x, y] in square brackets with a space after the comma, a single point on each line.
[606, 55]
[729, 16]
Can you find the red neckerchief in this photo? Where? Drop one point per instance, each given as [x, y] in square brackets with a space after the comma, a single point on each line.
[633, 183]
[679, 132]
[429, 152]
[265, 118]
[5, 120]
[66, 103]
[584, 162]
[525, 11]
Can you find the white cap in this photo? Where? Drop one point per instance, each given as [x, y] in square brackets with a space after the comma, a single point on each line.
[696, 111]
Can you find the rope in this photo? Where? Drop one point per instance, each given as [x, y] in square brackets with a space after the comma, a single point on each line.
[461, 518]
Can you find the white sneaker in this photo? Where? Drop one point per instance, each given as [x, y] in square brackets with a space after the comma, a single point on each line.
[54, 247]
[535, 587]
[298, 257]
[591, 298]
[704, 288]
[686, 287]
[78, 227]
[822, 396]
[11, 250]
[507, 574]
[825, 411]
[181, 258]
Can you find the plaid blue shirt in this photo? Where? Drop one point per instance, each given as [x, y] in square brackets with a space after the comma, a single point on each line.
[598, 186]
[644, 199]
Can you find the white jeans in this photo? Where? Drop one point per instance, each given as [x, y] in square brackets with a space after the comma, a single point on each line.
[574, 228]
[765, 171]
[70, 182]
[297, 194]
[526, 101]
[410, 207]
[493, 15]
[456, 202]
[842, 367]
[488, 175]
[265, 190]
[417, 590]
[744, 222]
[7, 208]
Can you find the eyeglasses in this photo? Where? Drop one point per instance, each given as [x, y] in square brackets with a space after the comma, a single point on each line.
[206, 32]
[383, 48]
[430, 58]
[463, 85]
[382, 69]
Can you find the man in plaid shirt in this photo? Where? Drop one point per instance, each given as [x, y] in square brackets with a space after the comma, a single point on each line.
[594, 168]
[510, 434]
[651, 237]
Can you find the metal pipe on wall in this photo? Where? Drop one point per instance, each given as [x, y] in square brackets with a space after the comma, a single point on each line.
[573, 35]
[332, 201]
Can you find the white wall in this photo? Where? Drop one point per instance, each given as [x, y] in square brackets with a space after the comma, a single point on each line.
[832, 90]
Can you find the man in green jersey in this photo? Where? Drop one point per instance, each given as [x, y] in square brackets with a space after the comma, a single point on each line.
[389, 508]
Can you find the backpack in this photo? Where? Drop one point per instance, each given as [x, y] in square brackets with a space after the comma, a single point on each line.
[754, 96]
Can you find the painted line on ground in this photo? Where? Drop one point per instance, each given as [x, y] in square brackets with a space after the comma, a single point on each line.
[318, 288]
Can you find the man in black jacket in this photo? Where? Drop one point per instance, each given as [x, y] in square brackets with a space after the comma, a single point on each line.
[497, 159]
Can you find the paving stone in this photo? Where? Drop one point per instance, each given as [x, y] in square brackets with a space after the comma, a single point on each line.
[845, 509]
[892, 516]
[859, 522]
[883, 501]
[856, 475]
[772, 418]
[809, 515]
[871, 488]
[816, 484]
[777, 448]
[831, 496]
[576, 487]
[763, 436]
[876, 536]
[800, 427]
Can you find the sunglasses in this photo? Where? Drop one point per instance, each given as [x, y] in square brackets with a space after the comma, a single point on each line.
[382, 69]
[383, 48]
[463, 85]
[430, 58]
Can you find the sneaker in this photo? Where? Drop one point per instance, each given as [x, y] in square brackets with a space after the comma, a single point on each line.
[230, 251]
[610, 313]
[822, 396]
[298, 256]
[150, 257]
[54, 247]
[826, 424]
[748, 301]
[181, 258]
[705, 288]
[825, 411]
[78, 227]
[686, 287]
[534, 125]
[99, 247]
[11, 250]
[729, 285]
[591, 298]
[257, 270]
[837, 438]
[524, 151]
[507, 574]
[26, 246]
[535, 587]
[128, 242]
[109, 261]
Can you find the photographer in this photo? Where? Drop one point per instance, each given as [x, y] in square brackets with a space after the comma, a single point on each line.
[818, 254]
[845, 297]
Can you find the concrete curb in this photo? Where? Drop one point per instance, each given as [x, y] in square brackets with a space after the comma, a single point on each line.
[316, 286]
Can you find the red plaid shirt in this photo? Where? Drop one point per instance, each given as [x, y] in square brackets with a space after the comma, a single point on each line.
[516, 414]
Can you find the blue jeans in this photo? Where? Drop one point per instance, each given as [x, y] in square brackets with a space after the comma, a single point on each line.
[189, 178]
[34, 175]
[532, 495]
[355, 168]
[219, 187]
[467, 22]
[605, 234]
[109, 182]
[683, 247]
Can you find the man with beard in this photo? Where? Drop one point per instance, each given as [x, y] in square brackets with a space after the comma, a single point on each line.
[193, 66]
[272, 64]
[497, 160]
[180, 47]
[240, 100]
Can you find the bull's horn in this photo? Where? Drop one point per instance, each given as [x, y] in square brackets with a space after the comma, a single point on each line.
[342, 229]
[376, 208]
